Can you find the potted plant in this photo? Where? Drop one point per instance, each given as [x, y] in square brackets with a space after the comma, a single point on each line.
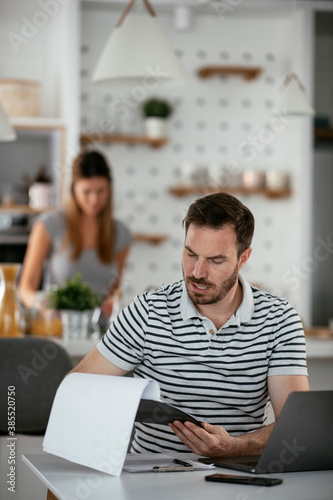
[76, 302]
[156, 111]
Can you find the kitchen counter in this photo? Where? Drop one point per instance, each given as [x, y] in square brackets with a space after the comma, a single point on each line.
[317, 347]
[79, 347]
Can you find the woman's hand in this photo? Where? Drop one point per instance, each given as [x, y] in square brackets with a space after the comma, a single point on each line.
[107, 305]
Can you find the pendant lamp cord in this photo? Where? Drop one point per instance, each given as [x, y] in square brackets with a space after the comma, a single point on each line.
[129, 7]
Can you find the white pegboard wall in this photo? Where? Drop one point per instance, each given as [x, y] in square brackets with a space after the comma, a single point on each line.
[211, 119]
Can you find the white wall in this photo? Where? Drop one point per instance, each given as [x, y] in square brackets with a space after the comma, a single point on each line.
[212, 118]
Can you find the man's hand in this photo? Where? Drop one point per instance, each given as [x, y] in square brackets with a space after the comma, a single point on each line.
[212, 441]
[215, 441]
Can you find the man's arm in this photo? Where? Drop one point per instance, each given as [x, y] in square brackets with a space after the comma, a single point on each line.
[95, 362]
[215, 441]
[280, 386]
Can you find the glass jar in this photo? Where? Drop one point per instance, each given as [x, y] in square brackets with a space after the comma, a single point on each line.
[9, 308]
[45, 321]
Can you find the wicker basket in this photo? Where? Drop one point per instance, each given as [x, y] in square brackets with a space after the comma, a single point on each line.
[19, 97]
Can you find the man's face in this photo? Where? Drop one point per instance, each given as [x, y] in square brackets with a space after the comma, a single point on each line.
[210, 263]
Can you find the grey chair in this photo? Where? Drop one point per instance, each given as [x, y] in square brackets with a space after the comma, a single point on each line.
[31, 370]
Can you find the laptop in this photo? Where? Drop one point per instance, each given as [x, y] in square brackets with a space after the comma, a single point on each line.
[302, 438]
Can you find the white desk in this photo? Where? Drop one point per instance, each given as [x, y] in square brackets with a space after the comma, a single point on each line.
[69, 481]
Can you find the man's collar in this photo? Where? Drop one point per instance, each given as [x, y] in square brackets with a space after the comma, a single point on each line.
[242, 315]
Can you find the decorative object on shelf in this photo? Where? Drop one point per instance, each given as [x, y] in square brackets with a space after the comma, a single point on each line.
[9, 309]
[41, 190]
[76, 301]
[248, 73]
[186, 173]
[213, 178]
[182, 17]
[277, 180]
[90, 138]
[252, 179]
[138, 53]
[156, 111]
[181, 191]
[8, 194]
[7, 133]
[292, 99]
[20, 97]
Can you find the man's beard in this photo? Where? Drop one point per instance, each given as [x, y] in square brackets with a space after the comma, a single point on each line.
[216, 293]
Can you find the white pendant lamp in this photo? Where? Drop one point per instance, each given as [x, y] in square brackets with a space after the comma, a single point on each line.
[293, 99]
[138, 53]
[6, 131]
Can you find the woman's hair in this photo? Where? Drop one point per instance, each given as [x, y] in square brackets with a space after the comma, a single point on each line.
[85, 165]
[219, 210]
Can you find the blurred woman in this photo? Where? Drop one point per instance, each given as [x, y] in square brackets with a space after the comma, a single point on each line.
[83, 238]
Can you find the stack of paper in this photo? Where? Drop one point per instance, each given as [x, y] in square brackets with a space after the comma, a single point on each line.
[147, 462]
[92, 418]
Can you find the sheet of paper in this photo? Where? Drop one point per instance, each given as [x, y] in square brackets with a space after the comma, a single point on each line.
[92, 419]
[144, 462]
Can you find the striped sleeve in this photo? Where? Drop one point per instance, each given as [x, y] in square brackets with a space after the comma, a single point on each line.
[288, 356]
[123, 344]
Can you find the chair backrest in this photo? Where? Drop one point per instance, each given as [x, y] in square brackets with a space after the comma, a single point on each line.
[31, 370]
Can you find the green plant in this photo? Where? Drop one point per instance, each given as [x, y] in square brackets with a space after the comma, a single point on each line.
[75, 294]
[157, 108]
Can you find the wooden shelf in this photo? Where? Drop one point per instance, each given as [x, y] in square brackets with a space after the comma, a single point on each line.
[248, 73]
[270, 193]
[23, 209]
[324, 134]
[153, 239]
[36, 123]
[319, 332]
[129, 139]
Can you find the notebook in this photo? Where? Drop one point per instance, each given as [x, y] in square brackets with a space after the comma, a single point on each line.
[157, 412]
[301, 440]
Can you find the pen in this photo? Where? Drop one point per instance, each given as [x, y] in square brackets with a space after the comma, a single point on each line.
[173, 468]
[181, 462]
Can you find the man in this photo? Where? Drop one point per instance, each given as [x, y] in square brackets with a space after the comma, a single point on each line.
[218, 347]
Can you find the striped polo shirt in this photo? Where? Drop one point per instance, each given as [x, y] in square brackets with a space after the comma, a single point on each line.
[218, 376]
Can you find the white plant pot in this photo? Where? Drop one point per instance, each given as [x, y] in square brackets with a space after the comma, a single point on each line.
[75, 324]
[155, 127]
